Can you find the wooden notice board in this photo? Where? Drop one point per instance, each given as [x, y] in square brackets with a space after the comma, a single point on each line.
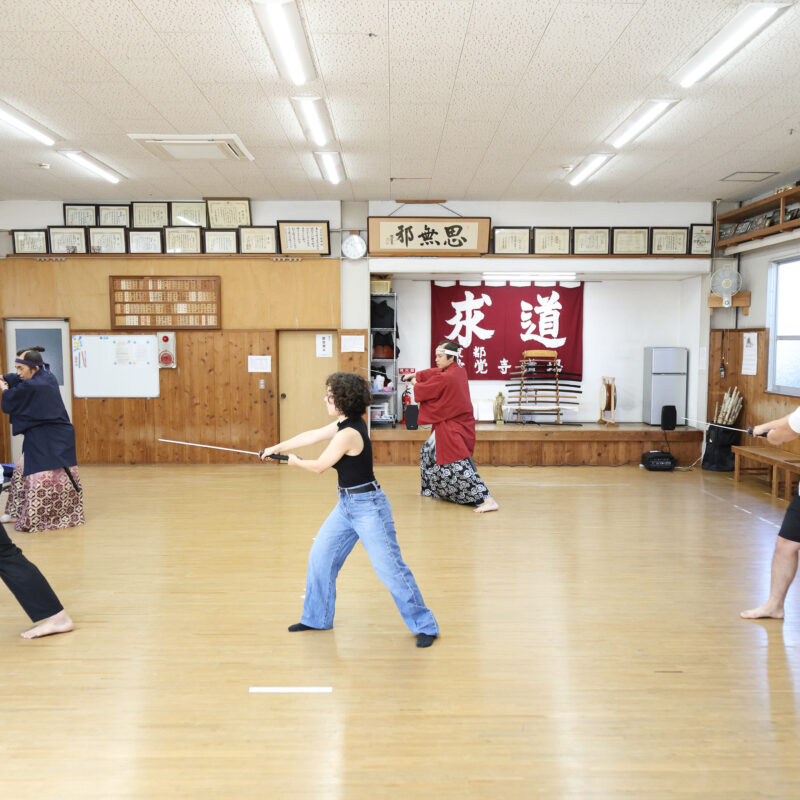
[165, 302]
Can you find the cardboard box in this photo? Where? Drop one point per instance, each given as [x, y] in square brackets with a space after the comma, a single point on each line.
[379, 286]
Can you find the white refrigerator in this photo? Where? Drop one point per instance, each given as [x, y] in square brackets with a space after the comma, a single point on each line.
[665, 373]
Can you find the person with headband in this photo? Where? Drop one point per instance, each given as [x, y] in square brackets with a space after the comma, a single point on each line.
[45, 487]
[445, 461]
[362, 513]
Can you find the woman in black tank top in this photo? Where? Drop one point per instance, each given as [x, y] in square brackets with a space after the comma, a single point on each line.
[362, 513]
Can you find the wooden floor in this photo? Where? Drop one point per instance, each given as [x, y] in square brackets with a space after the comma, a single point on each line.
[591, 645]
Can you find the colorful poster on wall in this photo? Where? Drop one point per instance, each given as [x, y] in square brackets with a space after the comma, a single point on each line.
[494, 324]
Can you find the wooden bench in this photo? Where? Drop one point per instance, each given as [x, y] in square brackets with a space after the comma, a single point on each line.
[776, 463]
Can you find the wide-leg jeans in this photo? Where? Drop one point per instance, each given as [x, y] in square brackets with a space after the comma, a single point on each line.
[366, 516]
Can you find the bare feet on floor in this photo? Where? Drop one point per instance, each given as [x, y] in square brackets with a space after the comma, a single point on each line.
[489, 504]
[58, 623]
[768, 610]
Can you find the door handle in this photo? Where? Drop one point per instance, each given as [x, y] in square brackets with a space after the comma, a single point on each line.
[283, 395]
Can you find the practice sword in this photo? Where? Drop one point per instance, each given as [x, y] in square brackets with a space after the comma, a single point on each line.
[749, 431]
[276, 456]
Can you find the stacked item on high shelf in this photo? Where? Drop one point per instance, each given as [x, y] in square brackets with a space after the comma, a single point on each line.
[383, 350]
[540, 387]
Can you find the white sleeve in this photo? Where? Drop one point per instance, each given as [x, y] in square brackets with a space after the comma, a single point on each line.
[794, 420]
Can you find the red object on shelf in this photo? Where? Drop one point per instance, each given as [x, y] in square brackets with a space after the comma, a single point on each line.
[406, 401]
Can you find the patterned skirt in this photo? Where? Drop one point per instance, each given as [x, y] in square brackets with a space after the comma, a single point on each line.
[458, 482]
[44, 501]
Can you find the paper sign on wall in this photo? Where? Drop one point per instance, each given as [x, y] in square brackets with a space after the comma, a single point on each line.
[750, 353]
[259, 363]
[324, 345]
[353, 344]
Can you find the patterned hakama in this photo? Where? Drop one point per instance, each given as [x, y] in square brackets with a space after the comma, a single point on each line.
[44, 501]
[458, 482]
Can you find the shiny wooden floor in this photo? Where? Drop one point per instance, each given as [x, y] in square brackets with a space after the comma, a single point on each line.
[591, 645]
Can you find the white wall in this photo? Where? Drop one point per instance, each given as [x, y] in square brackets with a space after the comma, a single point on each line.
[620, 319]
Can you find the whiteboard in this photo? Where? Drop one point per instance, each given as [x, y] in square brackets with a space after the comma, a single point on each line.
[115, 365]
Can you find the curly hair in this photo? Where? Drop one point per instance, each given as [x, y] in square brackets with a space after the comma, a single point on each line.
[350, 392]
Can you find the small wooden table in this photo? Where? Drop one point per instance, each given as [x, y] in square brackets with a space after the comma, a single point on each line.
[776, 462]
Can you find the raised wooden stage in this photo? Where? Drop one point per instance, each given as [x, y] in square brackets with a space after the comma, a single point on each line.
[516, 444]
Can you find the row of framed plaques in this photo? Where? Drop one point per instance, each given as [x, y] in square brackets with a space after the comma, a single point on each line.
[287, 238]
[695, 240]
[213, 212]
[727, 230]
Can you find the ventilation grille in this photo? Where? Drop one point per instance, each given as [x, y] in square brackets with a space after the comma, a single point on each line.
[194, 147]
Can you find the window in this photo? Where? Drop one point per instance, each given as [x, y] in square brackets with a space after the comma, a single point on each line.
[783, 320]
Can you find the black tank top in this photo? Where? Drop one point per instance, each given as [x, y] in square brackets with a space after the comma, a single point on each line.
[355, 470]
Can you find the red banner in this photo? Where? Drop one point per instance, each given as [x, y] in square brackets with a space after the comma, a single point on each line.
[494, 324]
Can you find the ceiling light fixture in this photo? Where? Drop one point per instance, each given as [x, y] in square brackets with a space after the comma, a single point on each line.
[588, 167]
[283, 29]
[92, 165]
[313, 118]
[639, 121]
[23, 123]
[529, 276]
[330, 165]
[743, 27]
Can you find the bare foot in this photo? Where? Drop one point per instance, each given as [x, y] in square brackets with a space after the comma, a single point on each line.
[766, 611]
[489, 504]
[58, 623]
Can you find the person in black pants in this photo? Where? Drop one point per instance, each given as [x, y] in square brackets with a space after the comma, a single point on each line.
[362, 514]
[32, 591]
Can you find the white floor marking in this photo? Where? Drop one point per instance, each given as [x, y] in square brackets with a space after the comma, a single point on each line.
[495, 483]
[291, 689]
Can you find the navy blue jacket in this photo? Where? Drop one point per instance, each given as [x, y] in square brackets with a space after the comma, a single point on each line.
[37, 411]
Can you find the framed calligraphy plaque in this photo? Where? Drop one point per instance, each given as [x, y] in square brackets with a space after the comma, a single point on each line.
[669, 241]
[428, 236]
[304, 238]
[508, 241]
[165, 302]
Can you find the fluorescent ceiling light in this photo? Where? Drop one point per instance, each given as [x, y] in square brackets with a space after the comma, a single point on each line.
[23, 123]
[529, 276]
[313, 118]
[92, 165]
[640, 120]
[330, 165]
[745, 25]
[283, 29]
[589, 166]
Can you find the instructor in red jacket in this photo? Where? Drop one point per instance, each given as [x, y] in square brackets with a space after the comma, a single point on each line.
[446, 467]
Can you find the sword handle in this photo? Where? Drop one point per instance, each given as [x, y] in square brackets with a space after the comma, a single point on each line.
[275, 456]
[760, 435]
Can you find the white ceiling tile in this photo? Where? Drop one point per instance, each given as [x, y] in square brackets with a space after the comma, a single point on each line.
[341, 56]
[333, 16]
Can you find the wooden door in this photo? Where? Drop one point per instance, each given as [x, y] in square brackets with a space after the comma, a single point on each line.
[301, 384]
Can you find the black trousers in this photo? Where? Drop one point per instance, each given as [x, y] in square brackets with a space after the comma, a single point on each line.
[27, 584]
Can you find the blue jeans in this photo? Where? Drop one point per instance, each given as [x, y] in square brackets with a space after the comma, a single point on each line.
[368, 517]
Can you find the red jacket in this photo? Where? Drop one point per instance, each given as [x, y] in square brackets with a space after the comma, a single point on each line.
[443, 397]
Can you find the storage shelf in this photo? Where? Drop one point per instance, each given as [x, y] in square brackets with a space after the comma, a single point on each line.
[776, 202]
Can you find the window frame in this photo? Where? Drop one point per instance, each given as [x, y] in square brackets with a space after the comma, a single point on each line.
[772, 327]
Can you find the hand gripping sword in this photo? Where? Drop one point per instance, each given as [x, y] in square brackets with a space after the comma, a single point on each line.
[276, 456]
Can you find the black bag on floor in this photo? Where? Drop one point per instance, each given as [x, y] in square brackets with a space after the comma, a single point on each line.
[718, 456]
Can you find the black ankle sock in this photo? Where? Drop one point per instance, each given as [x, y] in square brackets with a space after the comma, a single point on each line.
[298, 626]
[425, 639]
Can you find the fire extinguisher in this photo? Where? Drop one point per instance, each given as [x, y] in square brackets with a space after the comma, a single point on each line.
[406, 401]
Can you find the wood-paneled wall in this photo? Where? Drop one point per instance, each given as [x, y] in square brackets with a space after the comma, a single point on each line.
[258, 293]
[758, 405]
[210, 398]
[524, 445]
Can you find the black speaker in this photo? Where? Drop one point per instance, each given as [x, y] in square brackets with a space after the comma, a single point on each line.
[412, 414]
[669, 418]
